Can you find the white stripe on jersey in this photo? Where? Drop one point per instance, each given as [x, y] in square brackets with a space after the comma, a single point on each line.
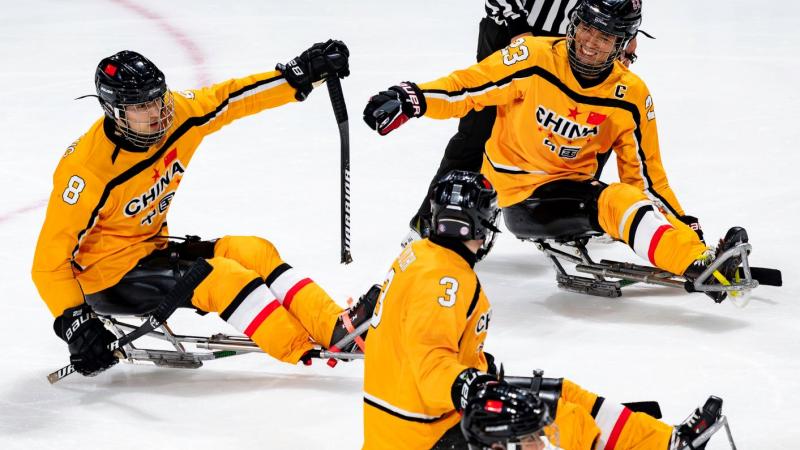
[400, 411]
[633, 208]
[650, 223]
[284, 283]
[246, 94]
[606, 419]
[250, 307]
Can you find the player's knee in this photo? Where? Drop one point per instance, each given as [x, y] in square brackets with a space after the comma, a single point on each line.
[621, 194]
[246, 246]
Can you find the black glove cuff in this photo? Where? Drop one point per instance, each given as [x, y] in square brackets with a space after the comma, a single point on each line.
[297, 78]
[413, 100]
[68, 322]
[694, 224]
[466, 385]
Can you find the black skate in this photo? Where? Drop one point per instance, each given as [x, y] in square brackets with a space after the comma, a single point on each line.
[716, 273]
[695, 432]
[352, 325]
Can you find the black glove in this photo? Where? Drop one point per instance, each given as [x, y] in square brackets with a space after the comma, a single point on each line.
[466, 385]
[491, 368]
[390, 109]
[87, 338]
[694, 224]
[320, 61]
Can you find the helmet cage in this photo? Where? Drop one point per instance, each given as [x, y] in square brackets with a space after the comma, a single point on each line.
[128, 129]
[620, 19]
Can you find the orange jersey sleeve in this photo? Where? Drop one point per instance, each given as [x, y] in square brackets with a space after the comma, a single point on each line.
[497, 80]
[239, 97]
[76, 191]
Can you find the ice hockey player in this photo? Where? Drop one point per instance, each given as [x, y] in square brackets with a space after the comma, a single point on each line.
[424, 359]
[105, 233]
[505, 22]
[561, 102]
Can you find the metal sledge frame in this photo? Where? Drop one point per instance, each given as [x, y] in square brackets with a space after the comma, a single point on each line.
[629, 273]
[706, 435]
[215, 347]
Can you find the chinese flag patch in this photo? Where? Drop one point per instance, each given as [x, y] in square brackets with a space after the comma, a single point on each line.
[110, 70]
[595, 118]
[171, 156]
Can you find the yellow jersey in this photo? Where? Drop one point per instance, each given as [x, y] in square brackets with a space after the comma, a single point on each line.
[429, 325]
[109, 202]
[549, 127]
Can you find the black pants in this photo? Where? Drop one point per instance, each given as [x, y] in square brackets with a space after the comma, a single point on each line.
[466, 147]
[465, 150]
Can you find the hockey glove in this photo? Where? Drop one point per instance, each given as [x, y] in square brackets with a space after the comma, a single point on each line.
[466, 385]
[87, 338]
[390, 109]
[694, 224]
[320, 61]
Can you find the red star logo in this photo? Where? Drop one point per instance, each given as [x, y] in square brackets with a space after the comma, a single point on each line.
[569, 142]
[156, 175]
[574, 113]
[540, 128]
[551, 136]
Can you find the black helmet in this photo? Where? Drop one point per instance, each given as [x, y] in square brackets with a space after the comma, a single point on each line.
[464, 206]
[127, 79]
[501, 414]
[618, 18]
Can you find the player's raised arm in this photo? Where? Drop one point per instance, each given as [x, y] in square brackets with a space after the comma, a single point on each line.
[499, 79]
[240, 97]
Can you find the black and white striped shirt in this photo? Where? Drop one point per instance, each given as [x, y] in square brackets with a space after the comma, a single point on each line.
[541, 17]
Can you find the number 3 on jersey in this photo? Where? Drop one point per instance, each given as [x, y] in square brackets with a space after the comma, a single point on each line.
[451, 286]
[448, 300]
[74, 188]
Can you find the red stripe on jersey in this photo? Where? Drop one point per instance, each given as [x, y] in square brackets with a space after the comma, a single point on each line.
[651, 253]
[261, 317]
[617, 431]
[291, 292]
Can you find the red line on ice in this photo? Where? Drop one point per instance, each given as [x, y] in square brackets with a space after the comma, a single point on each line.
[179, 36]
[33, 206]
[195, 54]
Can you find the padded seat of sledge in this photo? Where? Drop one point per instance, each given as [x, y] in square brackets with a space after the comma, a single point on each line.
[559, 219]
[138, 293]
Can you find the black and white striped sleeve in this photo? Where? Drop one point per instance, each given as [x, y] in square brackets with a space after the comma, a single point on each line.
[511, 13]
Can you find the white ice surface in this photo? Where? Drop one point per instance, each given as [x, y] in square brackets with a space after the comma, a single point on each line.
[722, 72]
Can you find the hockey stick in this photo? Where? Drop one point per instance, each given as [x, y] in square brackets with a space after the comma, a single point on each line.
[181, 294]
[340, 111]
